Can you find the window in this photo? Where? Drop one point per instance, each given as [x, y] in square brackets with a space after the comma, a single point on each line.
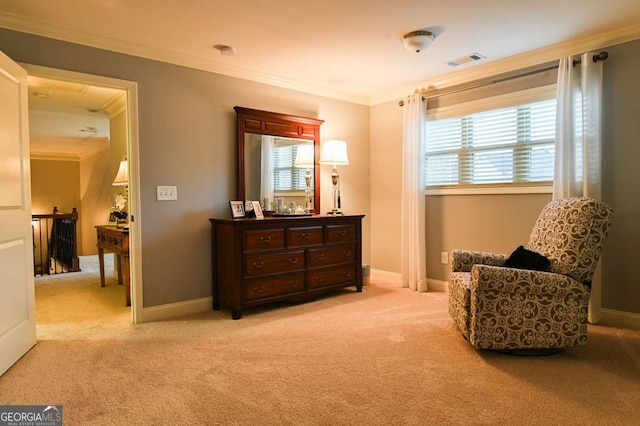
[286, 177]
[507, 146]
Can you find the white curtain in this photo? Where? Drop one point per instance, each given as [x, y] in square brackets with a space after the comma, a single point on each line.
[578, 142]
[413, 253]
[267, 183]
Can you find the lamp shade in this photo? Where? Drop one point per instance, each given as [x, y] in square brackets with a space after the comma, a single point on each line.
[304, 156]
[334, 152]
[122, 177]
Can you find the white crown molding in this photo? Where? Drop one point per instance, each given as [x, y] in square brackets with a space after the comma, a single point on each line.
[117, 105]
[82, 155]
[43, 29]
[54, 156]
[513, 63]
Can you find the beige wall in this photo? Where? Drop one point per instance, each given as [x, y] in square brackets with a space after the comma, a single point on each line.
[47, 180]
[621, 177]
[95, 190]
[386, 186]
[493, 223]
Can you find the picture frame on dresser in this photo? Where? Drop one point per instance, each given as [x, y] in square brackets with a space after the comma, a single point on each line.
[257, 209]
[113, 217]
[237, 209]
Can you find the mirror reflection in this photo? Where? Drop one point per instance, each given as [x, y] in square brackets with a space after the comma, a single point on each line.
[277, 167]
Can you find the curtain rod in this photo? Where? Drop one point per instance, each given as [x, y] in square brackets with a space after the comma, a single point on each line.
[510, 76]
[602, 56]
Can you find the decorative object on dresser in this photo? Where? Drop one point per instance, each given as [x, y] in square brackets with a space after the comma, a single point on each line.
[257, 209]
[283, 258]
[334, 153]
[237, 209]
[262, 136]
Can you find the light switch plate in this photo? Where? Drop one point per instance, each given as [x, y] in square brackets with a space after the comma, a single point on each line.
[166, 193]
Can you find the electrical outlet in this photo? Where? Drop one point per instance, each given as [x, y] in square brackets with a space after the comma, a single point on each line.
[166, 193]
[444, 257]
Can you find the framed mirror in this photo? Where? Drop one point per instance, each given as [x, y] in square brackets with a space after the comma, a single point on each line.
[278, 158]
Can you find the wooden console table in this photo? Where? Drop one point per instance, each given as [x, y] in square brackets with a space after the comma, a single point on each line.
[115, 240]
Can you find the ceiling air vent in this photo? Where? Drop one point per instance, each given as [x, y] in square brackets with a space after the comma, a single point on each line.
[465, 59]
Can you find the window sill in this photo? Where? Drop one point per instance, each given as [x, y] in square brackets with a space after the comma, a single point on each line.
[496, 190]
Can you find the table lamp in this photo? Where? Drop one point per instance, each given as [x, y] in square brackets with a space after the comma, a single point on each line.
[334, 152]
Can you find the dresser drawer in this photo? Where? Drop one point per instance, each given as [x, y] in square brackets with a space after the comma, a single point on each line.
[273, 263]
[326, 277]
[304, 236]
[341, 233]
[263, 239]
[331, 255]
[278, 285]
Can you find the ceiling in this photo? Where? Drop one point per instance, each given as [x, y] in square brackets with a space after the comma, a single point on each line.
[346, 49]
[68, 120]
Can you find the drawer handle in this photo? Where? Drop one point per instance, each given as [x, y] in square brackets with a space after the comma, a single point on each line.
[319, 256]
[293, 260]
[346, 253]
[258, 289]
[347, 274]
[265, 239]
[342, 233]
[306, 236]
[293, 283]
[258, 265]
[319, 279]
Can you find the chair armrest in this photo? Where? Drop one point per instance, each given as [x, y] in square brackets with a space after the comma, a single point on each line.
[463, 260]
[496, 279]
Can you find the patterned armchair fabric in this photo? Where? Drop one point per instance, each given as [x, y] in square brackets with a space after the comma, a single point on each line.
[507, 308]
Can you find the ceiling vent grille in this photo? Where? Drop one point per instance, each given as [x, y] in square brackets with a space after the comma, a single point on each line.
[465, 59]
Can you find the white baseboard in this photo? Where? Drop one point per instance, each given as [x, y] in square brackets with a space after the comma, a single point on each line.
[437, 286]
[393, 278]
[172, 310]
[620, 319]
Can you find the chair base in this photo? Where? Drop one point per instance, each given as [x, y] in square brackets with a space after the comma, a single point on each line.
[530, 352]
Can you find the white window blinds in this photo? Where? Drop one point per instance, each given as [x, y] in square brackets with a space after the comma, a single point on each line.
[510, 145]
[286, 176]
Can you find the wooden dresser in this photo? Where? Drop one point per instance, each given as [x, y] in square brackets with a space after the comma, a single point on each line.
[261, 261]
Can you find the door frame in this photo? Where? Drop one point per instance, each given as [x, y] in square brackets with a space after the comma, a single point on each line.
[135, 232]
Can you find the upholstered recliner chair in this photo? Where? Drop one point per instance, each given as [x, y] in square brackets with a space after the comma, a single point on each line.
[509, 308]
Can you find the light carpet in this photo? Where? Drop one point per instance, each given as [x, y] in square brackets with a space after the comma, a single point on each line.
[386, 356]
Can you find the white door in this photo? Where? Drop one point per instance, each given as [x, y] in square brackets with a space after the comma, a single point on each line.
[17, 299]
